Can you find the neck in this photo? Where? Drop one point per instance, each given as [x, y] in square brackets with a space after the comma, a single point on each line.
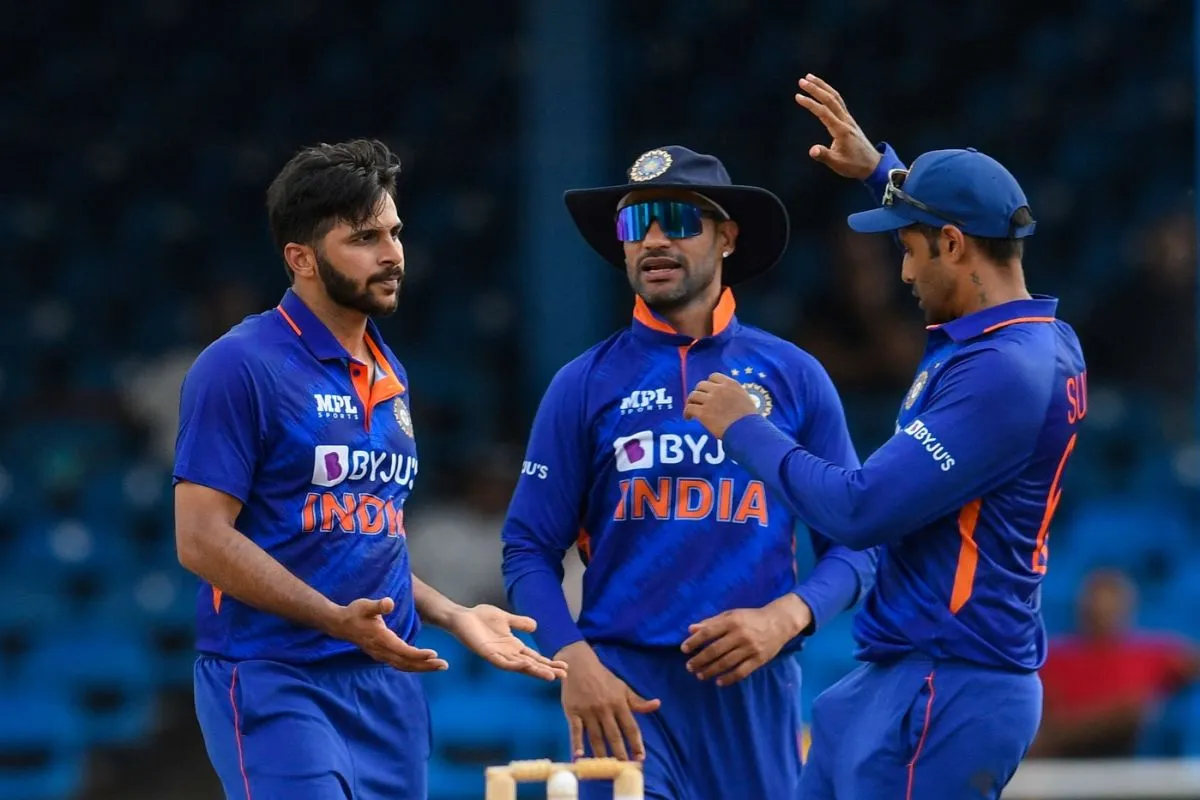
[989, 286]
[696, 318]
[348, 326]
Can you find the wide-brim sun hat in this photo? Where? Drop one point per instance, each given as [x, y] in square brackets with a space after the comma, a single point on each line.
[762, 219]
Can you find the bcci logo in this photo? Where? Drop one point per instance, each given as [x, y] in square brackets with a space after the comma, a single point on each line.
[650, 165]
[761, 397]
[403, 417]
[915, 391]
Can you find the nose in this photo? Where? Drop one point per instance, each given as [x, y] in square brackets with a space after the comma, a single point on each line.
[655, 239]
[392, 253]
[906, 273]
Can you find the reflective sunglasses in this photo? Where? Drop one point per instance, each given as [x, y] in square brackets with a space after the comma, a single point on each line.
[678, 219]
[893, 192]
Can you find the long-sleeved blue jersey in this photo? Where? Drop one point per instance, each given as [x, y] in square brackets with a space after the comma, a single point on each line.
[962, 497]
[672, 531]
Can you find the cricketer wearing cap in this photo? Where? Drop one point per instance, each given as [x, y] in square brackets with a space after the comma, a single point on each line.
[691, 603]
[294, 459]
[960, 499]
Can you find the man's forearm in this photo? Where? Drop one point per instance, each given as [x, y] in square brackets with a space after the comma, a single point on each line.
[433, 606]
[539, 594]
[231, 562]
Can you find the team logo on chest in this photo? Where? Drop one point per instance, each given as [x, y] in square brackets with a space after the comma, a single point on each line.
[761, 397]
[758, 393]
[403, 417]
[917, 387]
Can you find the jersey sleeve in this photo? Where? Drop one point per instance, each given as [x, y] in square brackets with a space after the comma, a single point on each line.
[840, 575]
[981, 423]
[221, 426]
[544, 516]
[877, 181]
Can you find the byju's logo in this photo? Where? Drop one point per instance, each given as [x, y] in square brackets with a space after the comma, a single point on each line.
[330, 464]
[335, 406]
[334, 464]
[646, 400]
[634, 452]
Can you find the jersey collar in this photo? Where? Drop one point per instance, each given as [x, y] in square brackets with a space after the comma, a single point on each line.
[318, 339]
[652, 327]
[1039, 308]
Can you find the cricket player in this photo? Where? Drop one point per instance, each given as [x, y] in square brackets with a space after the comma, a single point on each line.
[961, 498]
[295, 456]
[691, 606]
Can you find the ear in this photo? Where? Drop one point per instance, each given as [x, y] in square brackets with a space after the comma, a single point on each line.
[727, 233]
[954, 243]
[301, 258]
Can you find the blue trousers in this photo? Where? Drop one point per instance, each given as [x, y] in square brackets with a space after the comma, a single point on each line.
[708, 742]
[915, 729]
[348, 728]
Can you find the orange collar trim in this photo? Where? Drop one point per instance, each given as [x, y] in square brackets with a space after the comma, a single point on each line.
[722, 315]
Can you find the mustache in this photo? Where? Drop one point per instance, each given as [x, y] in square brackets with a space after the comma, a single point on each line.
[389, 275]
[677, 258]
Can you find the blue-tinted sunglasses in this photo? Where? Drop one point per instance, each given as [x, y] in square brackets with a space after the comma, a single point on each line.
[678, 219]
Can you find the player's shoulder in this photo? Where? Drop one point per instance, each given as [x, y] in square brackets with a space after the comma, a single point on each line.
[788, 356]
[246, 348]
[1015, 361]
[601, 360]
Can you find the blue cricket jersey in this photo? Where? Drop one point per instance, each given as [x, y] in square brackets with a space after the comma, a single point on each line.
[671, 529]
[962, 496]
[277, 414]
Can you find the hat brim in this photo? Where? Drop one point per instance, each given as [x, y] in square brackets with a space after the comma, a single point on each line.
[878, 220]
[762, 219]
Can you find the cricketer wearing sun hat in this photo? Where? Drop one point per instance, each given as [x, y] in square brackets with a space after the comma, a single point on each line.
[959, 501]
[692, 605]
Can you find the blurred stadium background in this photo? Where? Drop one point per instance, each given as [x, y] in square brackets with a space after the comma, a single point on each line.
[138, 139]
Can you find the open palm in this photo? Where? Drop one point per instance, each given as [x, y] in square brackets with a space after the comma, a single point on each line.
[488, 632]
[850, 153]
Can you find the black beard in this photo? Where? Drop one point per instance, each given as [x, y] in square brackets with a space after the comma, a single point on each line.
[347, 294]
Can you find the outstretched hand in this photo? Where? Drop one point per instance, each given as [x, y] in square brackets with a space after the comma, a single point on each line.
[361, 623]
[488, 632]
[851, 153]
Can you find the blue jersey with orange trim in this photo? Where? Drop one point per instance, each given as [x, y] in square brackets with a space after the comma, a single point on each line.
[672, 530]
[277, 414]
[961, 498]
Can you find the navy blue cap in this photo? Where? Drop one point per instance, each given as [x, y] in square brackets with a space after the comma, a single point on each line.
[965, 188]
[763, 224]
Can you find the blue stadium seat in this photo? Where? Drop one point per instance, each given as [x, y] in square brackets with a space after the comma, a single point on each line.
[107, 673]
[1172, 728]
[456, 655]
[41, 745]
[473, 728]
[1189, 703]
[160, 604]
[1124, 532]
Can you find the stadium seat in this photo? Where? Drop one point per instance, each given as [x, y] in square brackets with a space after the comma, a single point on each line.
[107, 673]
[456, 655]
[1125, 532]
[1172, 728]
[42, 741]
[1189, 708]
[473, 729]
